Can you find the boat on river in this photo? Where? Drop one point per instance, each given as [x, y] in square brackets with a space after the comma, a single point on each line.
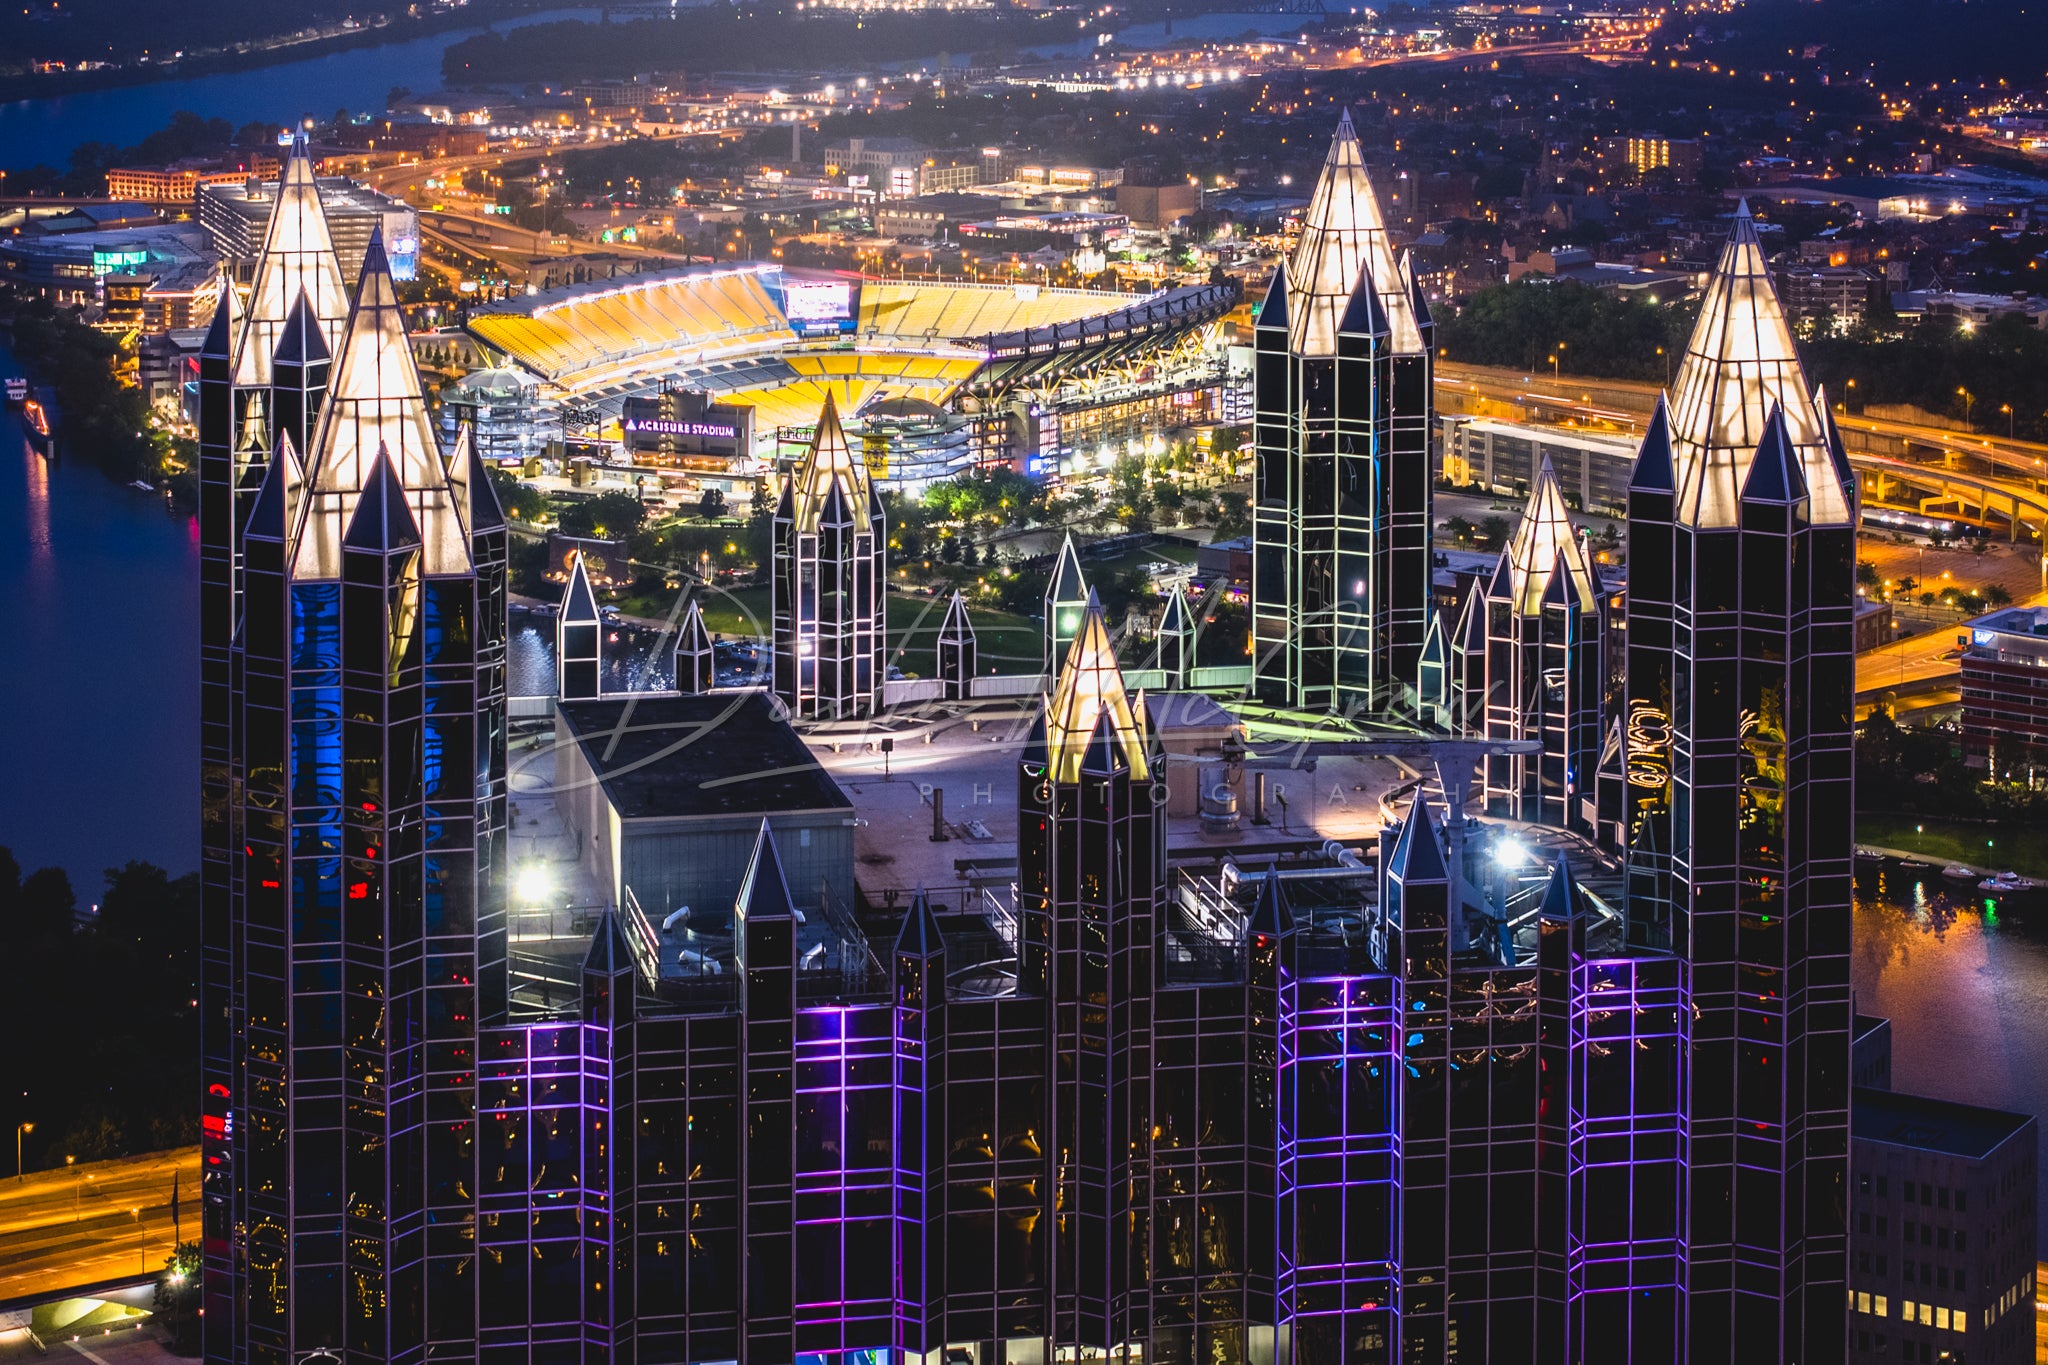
[2009, 884]
[1960, 875]
[39, 424]
[17, 391]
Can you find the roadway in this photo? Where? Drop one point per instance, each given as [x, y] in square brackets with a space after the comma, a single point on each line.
[93, 1222]
[1963, 463]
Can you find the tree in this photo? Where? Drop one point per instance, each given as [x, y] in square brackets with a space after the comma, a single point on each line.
[1459, 530]
[1494, 532]
[610, 516]
[520, 501]
[712, 505]
[179, 1293]
[1867, 575]
[1996, 595]
[46, 905]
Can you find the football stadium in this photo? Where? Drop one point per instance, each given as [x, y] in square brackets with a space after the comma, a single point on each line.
[721, 369]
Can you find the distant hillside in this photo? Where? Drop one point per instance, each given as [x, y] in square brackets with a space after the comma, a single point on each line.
[72, 31]
[1901, 40]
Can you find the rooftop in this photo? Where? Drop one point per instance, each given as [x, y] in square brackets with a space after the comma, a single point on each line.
[727, 754]
[2024, 629]
[1931, 1125]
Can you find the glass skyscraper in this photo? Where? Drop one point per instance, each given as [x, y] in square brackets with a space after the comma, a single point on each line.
[1102, 1114]
[1341, 504]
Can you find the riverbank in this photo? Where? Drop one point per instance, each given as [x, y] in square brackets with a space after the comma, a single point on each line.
[102, 422]
[2020, 848]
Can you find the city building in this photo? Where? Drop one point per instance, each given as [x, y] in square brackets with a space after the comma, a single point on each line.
[828, 580]
[1592, 469]
[360, 945]
[2005, 691]
[1157, 206]
[161, 298]
[1945, 1227]
[713, 1104]
[500, 407]
[1541, 674]
[234, 215]
[1970, 310]
[1644, 157]
[1740, 725]
[1838, 292]
[179, 182]
[250, 407]
[72, 267]
[666, 794]
[1341, 503]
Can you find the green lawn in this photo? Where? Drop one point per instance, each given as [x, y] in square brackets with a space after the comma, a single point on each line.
[2019, 847]
[1008, 644]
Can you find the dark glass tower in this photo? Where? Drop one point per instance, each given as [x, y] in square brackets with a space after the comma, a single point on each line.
[250, 401]
[1543, 668]
[1092, 849]
[1740, 820]
[1341, 518]
[365, 920]
[828, 577]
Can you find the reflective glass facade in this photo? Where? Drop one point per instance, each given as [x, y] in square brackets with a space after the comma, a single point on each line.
[1341, 505]
[1100, 1115]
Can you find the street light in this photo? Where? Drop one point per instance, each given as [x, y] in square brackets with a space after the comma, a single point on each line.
[19, 1129]
[1555, 356]
[2006, 408]
[1969, 401]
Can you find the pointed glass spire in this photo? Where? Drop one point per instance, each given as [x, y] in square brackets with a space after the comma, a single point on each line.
[957, 628]
[1418, 855]
[475, 497]
[226, 325]
[610, 953]
[375, 402]
[1273, 312]
[1740, 364]
[381, 520]
[696, 670]
[1272, 915]
[829, 484]
[298, 258]
[764, 891]
[1088, 698]
[1653, 472]
[1544, 545]
[1344, 245]
[301, 341]
[1066, 597]
[1774, 472]
[579, 602]
[1068, 583]
[920, 935]
[277, 501]
[1561, 896]
[1176, 619]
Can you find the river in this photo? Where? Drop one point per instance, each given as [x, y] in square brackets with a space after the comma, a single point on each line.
[44, 131]
[99, 680]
